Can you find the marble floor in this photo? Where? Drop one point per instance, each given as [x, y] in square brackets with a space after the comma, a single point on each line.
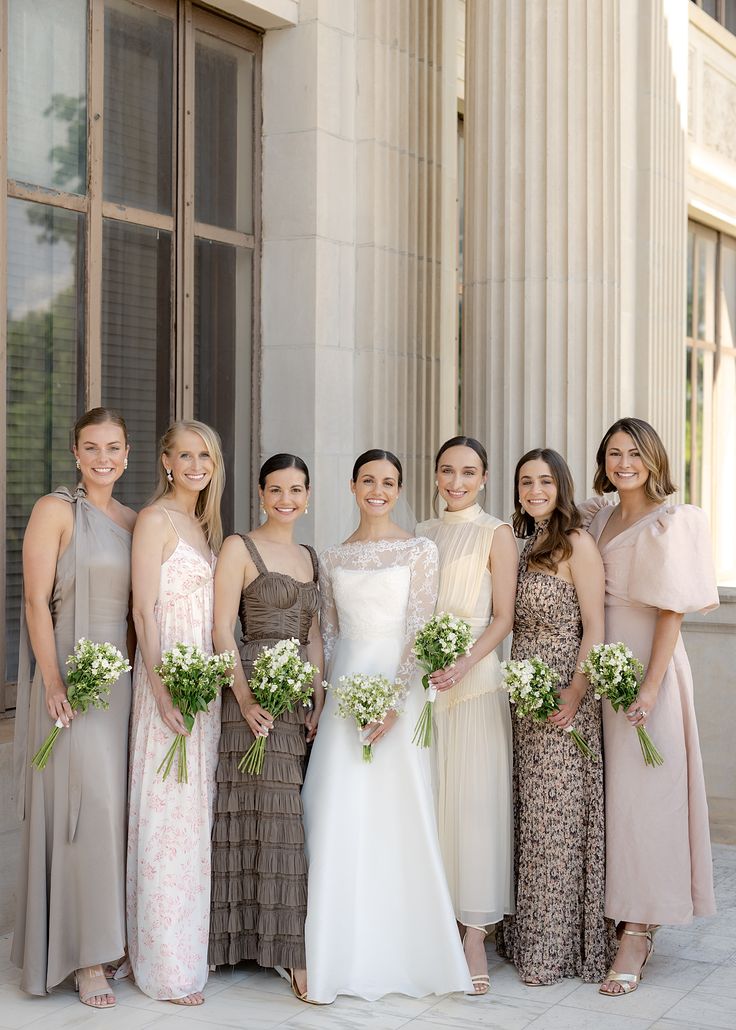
[690, 982]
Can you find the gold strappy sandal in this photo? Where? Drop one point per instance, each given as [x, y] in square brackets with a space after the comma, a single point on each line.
[630, 981]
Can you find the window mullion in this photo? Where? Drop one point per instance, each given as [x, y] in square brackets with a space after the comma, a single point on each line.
[185, 219]
[95, 141]
[3, 324]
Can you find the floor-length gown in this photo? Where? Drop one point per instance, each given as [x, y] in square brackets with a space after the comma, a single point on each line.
[259, 868]
[169, 867]
[559, 927]
[379, 916]
[472, 732]
[71, 889]
[659, 866]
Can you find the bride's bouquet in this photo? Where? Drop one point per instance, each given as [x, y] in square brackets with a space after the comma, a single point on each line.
[279, 681]
[614, 673]
[92, 668]
[531, 687]
[193, 679]
[366, 699]
[439, 643]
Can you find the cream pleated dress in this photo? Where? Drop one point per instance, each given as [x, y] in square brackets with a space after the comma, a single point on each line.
[472, 732]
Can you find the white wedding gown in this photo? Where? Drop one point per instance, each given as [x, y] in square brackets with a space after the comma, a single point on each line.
[379, 916]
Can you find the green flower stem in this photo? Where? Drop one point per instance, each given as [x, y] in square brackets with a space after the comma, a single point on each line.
[367, 752]
[252, 760]
[649, 751]
[423, 729]
[41, 757]
[583, 745]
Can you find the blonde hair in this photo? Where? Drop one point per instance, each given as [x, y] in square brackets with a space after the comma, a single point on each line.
[207, 510]
[659, 485]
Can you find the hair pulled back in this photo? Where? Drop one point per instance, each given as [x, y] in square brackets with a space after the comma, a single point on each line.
[377, 454]
[98, 417]
[282, 461]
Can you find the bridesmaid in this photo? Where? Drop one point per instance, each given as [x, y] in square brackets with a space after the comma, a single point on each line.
[658, 565]
[168, 882]
[259, 877]
[559, 929]
[472, 726]
[76, 569]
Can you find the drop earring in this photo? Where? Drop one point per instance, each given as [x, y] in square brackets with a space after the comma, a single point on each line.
[78, 464]
[125, 465]
[170, 475]
[306, 510]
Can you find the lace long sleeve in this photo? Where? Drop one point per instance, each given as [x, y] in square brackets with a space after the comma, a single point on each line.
[423, 589]
[328, 622]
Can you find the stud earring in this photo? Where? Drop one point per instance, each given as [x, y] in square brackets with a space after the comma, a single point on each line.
[170, 475]
[125, 465]
[78, 464]
[482, 487]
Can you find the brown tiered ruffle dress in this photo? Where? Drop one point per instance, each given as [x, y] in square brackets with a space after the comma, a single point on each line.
[259, 869]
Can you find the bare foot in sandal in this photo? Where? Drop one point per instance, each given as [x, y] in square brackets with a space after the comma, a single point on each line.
[93, 988]
[195, 998]
[475, 955]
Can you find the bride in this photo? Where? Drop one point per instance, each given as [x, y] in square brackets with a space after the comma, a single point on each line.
[379, 915]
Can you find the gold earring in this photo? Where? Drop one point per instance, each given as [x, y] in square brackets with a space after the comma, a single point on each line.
[78, 465]
[125, 464]
[306, 509]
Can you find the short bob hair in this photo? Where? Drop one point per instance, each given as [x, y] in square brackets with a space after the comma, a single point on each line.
[659, 485]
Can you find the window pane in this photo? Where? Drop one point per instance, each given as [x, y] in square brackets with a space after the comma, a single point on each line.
[690, 270]
[136, 344]
[47, 85]
[222, 363]
[728, 305]
[223, 150]
[729, 16]
[45, 333]
[706, 262]
[138, 107]
[689, 468]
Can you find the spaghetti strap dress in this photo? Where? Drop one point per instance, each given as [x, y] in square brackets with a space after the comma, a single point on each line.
[170, 823]
[71, 887]
[259, 868]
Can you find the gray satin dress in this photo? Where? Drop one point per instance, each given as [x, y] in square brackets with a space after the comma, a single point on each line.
[71, 885]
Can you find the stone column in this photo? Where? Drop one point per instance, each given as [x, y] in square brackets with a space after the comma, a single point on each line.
[359, 241]
[574, 287]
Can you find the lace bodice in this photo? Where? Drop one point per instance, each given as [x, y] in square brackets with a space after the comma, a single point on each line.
[373, 589]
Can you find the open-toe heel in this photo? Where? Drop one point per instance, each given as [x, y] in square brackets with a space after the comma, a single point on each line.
[482, 981]
[630, 981]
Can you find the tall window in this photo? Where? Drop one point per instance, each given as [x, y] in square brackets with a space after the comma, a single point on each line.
[723, 11]
[128, 253]
[710, 453]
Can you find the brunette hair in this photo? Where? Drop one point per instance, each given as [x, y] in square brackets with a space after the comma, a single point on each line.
[98, 417]
[659, 485]
[565, 518]
[463, 441]
[377, 454]
[282, 461]
[207, 510]
[458, 441]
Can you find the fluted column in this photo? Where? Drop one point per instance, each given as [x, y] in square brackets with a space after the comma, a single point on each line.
[406, 133]
[575, 223]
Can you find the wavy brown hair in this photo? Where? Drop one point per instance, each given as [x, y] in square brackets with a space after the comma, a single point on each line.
[556, 546]
[659, 485]
[207, 511]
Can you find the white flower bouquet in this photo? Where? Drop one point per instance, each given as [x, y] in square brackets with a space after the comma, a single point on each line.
[92, 668]
[531, 685]
[440, 642]
[279, 681]
[366, 699]
[614, 673]
[193, 679]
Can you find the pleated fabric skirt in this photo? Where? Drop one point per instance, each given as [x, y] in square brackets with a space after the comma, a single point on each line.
[259, 868]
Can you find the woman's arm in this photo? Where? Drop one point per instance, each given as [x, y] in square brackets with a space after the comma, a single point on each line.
[234, 572]
[666, 632]
[47, 536]
[504, 565]
[315, 655]
[151, 536]
[588, 578]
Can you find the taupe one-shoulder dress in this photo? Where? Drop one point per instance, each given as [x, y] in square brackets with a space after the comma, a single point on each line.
[259, 869]
[71, 887]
